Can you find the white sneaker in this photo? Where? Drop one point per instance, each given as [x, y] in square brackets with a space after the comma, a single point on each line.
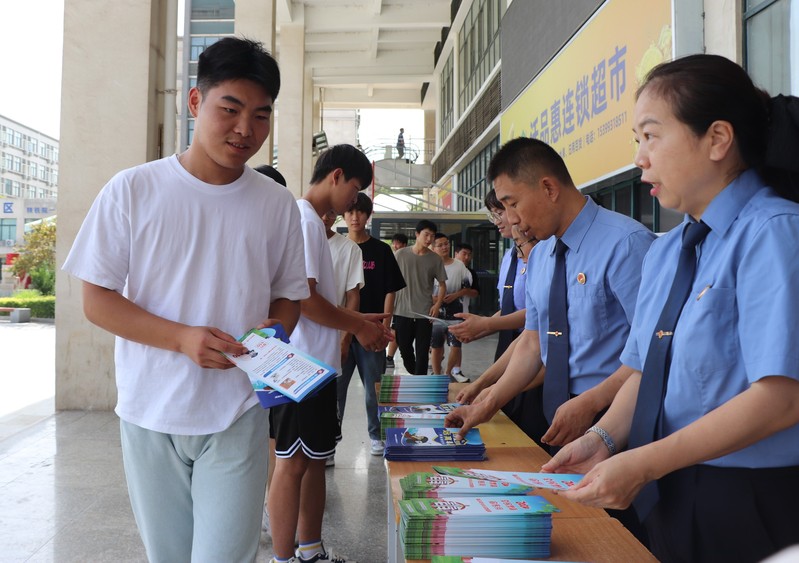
[458, 376]
[378, 447]
[330, 461]
[325, 556]
[292, 560]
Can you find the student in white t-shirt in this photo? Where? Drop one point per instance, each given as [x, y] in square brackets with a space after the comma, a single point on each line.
[179, 257]
[305, 433]
[459, 285]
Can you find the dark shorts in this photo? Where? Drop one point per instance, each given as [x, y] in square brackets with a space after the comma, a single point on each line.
[310, 426]
[439, 333]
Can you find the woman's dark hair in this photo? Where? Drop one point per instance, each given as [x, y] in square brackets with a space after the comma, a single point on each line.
[234, 58]
[702, 89]
[492, 202]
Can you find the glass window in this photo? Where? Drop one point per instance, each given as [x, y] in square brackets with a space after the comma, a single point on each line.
[478, 48]
[447, 99]
[770, 47]
[472, 180]
[8, 229]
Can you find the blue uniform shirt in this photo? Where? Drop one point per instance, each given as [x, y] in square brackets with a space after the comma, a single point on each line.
[603, 270]
[741, 320]
[518, 284]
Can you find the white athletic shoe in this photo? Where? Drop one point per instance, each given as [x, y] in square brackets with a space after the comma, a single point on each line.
[378, 447]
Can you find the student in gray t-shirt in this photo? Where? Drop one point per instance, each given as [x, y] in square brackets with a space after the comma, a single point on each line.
[420, 267]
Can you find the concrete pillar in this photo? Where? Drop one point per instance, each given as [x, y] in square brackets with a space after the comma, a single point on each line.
[429, 135]
[292, 150]
[724, 29]
[109, 121]
[255, 19]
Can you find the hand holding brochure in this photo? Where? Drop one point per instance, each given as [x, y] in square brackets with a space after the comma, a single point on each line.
[554, 481]
[436, 320]
[277, 365]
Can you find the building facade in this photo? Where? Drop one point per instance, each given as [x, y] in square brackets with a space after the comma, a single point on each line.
[28, 181]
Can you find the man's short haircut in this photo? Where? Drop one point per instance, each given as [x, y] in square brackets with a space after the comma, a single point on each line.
[401, 238]
[492, 202]
[234, 58]
[438, 236]
[527, 160]
[363, 204]
[352, 161]
[271, 172]
[463, 246]
[425, 224]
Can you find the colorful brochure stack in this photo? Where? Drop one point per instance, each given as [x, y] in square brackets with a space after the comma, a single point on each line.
[515, 527]
[433, 485]
[433, 444]
[552, 481]
[420, 416]
[459, 559]
[414, 389]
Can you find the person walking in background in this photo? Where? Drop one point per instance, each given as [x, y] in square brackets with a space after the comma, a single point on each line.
[458, 285]
[143, 255]
[383, 278]
[707, 425]
[401, 143]
[398, 241]
[306, 433]
[420, 268]
[463, 252]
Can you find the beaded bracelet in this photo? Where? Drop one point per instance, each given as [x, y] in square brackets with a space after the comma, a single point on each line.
[609, 443]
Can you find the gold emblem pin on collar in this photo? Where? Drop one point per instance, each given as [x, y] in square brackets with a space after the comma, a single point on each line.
[581, 278]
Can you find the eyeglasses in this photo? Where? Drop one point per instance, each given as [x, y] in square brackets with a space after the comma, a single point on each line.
[495, 216]
[520, 246]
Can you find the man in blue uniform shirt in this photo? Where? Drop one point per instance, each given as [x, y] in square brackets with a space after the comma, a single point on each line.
[603, 255]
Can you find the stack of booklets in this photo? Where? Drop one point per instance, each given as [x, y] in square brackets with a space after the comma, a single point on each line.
[414, 389]
[552, 481]
[514, 527]
[433, 444]
[459, 559]
[434, 485]
[427, 416]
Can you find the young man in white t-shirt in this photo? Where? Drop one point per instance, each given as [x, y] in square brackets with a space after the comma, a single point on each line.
[458, 286]
[178, 258]
[305, 433]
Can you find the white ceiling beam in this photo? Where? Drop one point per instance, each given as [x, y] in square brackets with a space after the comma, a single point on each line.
[340, 18]
[411, 58]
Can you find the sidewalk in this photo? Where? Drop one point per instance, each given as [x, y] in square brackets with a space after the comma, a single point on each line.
[27, 379]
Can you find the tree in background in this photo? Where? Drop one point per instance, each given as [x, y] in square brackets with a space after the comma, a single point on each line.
[37, 257]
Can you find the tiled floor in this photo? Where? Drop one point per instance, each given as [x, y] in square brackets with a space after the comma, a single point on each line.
[62, 488]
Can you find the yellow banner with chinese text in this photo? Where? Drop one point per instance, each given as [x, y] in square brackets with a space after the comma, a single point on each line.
[582, 102]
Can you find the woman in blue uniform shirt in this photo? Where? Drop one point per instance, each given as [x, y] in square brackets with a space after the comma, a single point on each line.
[725, 451]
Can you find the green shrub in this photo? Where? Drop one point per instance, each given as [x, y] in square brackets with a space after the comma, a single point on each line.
[43, 279]
[42, 307]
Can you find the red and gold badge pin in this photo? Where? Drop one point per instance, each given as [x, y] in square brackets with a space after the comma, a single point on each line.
[581, 278]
